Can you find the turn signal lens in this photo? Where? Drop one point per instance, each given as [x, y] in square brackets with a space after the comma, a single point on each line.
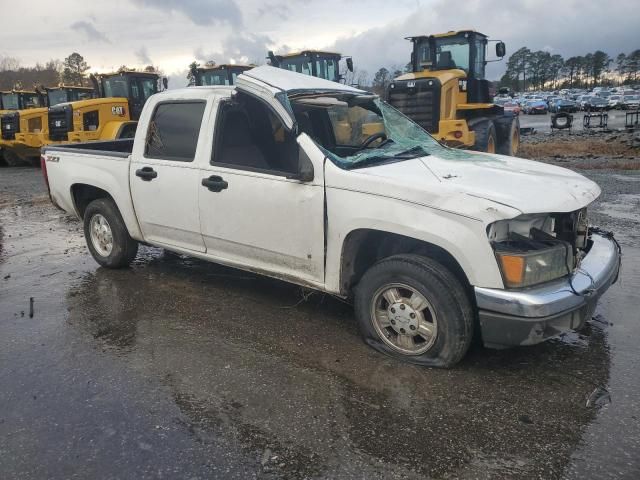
[512, 269]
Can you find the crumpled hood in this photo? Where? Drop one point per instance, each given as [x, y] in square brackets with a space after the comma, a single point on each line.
[477, 185]
[529, 186]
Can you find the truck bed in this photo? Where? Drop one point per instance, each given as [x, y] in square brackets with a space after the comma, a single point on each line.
[112, 148]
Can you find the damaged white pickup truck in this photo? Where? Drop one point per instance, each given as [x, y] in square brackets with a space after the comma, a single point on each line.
[327, 186]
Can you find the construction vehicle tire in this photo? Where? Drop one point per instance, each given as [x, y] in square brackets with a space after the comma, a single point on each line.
[486, 138]
[11, 159]
[508, 130]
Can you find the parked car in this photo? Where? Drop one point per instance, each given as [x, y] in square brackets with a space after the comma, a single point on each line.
[429, 242]
[512, 107]
[595, 103]
[563, 105]
[614, 102]
[630, 102]
[535, 107]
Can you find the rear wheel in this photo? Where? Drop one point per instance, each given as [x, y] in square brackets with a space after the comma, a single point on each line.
[486, 138]
[11, 159]
[107, 236]
[413, 308]
[508, 129]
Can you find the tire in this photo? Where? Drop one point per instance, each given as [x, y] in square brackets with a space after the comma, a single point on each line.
[561, 121]
[123, 248]
[11, 159]
[486, 138]
[508, 130]
[447, 306]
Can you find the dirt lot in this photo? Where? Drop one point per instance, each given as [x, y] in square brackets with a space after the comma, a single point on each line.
[177, 368]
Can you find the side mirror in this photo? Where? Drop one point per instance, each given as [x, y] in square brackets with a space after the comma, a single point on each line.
[305, 167]
[501, 49]
[350, 64]
[165, 82]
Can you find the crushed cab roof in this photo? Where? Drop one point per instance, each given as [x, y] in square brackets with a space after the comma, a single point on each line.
[289, 81]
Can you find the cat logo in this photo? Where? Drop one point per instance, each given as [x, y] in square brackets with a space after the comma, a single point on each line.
[411, 84]
[118, 110]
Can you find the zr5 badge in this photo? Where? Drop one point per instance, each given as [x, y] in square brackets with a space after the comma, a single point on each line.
[118, 110]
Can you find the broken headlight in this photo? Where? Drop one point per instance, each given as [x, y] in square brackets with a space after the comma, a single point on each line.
[525, 262]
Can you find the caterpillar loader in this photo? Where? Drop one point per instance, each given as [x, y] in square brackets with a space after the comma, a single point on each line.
[30, 128]
[11, 102]
[448, 95]
[312, 62]
[113, 115]
[218, 74]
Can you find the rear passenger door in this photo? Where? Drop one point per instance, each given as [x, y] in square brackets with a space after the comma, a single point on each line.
[252, 214]
[164, 178]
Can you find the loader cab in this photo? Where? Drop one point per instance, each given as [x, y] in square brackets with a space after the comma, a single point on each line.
[218, 74]
[65, 93]
[316, 63]
[463, 50]
[21, 100]
[136, 87]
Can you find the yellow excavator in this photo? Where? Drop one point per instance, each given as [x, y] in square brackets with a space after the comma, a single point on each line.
[113, 115]
[218, 74]
[10, 103]
[316, 63]
[27, 130]
[448, 95]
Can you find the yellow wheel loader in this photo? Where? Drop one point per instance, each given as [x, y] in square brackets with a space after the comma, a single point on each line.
[32, 127]
[448, 95]
[11, 103]
[312, 62]
[218, 74]
[114, 115]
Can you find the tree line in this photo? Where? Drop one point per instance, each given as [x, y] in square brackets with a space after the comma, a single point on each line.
[539, 70]
[70, 71]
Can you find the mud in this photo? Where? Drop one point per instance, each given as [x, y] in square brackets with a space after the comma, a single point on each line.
[176, 368]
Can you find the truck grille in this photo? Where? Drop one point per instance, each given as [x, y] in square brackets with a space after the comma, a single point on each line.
[60, 122]
[10, 125]
[419, 100]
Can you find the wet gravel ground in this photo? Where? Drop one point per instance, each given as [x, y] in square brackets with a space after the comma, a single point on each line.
[177, 368]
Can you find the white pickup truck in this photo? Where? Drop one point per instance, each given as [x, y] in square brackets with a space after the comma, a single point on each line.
[329, 187]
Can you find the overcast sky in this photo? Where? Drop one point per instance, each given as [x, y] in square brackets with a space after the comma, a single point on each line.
[172, 33]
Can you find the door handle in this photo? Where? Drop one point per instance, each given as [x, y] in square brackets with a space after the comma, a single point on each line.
[215, 183]
[146, 173]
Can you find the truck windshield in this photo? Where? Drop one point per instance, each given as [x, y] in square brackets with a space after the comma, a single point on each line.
[445, 53]
[10, 101]
[298, 64]
[57, 97]
[356, 131]
[116, 86]
[213, 77]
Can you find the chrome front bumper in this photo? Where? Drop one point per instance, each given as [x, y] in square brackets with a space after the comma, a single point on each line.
[530, 316]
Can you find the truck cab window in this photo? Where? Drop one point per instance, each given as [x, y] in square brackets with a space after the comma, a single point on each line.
[250, 136]
[174, 130]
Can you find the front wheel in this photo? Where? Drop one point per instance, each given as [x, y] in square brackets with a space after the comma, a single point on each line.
[413, 308]
[107, 236]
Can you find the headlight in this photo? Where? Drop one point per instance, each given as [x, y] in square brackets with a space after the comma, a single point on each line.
[526, 268]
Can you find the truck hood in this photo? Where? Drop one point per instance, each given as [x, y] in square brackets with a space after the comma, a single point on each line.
[473, 184]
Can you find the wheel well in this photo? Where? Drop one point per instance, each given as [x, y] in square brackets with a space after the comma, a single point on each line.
[362, 248]
[84, 194]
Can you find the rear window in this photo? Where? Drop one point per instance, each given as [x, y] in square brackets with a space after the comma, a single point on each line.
[174, 130]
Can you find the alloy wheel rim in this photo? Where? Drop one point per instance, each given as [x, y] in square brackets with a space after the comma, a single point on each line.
[404, 319]
[101, 235]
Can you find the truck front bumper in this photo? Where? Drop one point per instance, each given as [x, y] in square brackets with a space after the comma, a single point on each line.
[529, 316]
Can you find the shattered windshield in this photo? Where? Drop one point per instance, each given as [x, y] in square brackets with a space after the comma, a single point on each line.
[360, 130]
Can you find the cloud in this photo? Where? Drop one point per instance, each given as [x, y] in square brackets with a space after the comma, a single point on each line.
[573, 28]
[239, 47]
[143, 56]
[278, 10]
[200, 12]
[91, 32]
